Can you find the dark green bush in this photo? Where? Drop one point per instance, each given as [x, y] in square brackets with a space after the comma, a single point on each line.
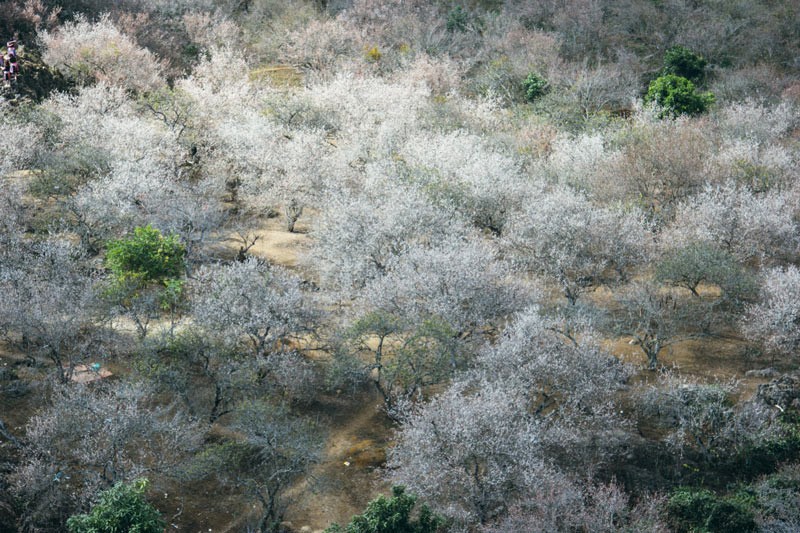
[677, 95]
[701, 511]
[681, 61]
[534, 86]
[121, 508]
[392, 515]
[458, 19]
[689, 508]
[731, 514]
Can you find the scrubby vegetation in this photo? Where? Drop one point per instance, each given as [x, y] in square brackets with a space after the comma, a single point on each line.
[534, 264]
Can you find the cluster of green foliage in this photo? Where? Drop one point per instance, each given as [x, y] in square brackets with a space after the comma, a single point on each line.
[121, 509]
[373, 54]
[392, 515]
[677, 95]
[146, 256]
[701, 511]
[769, 453]
[458, 19]
[675, 90]
[146, 267]
[534, 86]
[682, 62]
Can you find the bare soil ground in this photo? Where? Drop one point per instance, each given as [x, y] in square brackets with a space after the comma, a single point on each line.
[348, 476]
[280, 247]
[275, 243]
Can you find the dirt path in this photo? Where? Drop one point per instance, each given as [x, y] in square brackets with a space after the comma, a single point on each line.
[348, 476]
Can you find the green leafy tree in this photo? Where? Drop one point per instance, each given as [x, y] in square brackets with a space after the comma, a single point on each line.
[697, 263]
[681, 61]
[121, 509]
[677, 95]
[392, 515]
[147, 255]
[146, 267]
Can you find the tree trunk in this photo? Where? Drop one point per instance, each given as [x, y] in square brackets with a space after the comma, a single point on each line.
[292, 212]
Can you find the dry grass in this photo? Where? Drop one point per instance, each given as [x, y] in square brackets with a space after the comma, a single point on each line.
[278, 75]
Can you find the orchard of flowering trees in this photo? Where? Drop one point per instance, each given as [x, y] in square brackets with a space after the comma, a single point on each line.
[534, 264]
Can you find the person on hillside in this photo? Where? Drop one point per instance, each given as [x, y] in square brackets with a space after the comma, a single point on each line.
[6, 68]
[10, 62]
[13, 64]
[10, 69]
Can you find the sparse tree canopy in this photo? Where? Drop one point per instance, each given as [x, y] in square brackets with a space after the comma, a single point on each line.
[577, 245]
[254, 300]
[698, 263]
[704, 422]
[272, 450]
[48, 301]
[653, 318]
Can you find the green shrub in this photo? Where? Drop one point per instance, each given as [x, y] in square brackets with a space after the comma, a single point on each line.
[392, 515]
[145, 256]
[534, 86]
[701, 511]
[731, 514]
[121, 508]
[497, 78]
[677, 95]
[687, 508]
[767, 454]
[458, 20]
[681, 61]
